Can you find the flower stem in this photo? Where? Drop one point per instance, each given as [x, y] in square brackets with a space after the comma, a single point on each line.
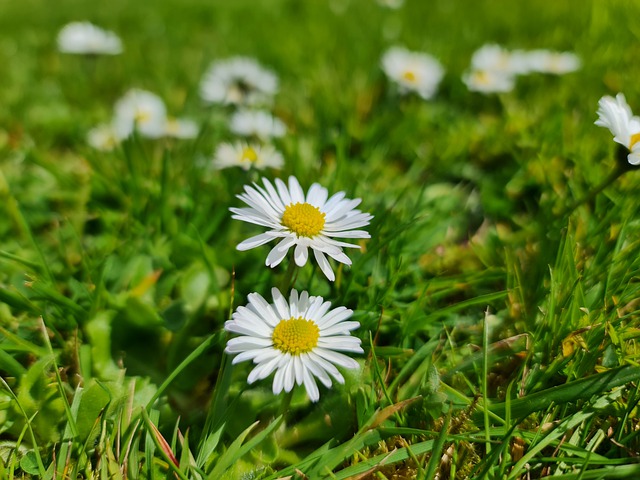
[613, 176]
[286, 402]
[288, 279]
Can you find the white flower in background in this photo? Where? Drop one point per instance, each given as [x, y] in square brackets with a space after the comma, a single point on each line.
[180, 128]
[615, 114]
[494, 58]
[247, 155]
[494, 68]
[142, 111]
[488, 81]
[238, 81]
[256, 123]
[304, 221]
[300, 340]
[103, 137]
[557, 63]
[86, 38]
[413, 71]
[392, 4]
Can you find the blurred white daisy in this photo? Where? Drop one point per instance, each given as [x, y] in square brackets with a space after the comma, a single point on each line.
[488, 81]
[304, 221]
[412, 71]
[495, 58]
[300, 340]
[558, 63]
[392, 4]
[142, 111]
[494, 68]
[247, 155]
[180, 128]
[238, 81]
[256, 123]
[615, 114]
[86, 38]
[103, 137]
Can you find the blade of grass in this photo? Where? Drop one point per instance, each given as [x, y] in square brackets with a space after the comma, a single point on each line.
[434, 459]
[67, 408]
[184, 364]
[29, 427]
[162, 445]
[237, 450]
[569, 392]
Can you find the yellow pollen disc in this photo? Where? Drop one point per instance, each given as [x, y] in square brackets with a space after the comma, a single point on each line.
[635, 138]
[249, 154]
[173, 126]
[409, 76]
[481, 77]
[303, 219]
[296, 336]
[141, 116]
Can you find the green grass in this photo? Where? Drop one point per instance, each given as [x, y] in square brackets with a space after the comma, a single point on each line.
[499, 325]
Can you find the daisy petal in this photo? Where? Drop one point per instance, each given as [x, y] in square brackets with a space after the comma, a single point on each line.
[300, 255]
[277, 253]
[323, 263]
[254, 242]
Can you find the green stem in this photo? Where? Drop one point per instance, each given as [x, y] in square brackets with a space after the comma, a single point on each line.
[288, 279]
[485, 380]
[286, 402]
[184, 364]
[613, 176]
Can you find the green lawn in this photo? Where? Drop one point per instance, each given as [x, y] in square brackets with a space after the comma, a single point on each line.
[498, 295]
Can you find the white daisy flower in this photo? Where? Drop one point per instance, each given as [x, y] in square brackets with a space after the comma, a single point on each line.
[140, 110]
[304, 221]
[488, 81]
[257, 123]
[300, 340]
[392, 4]
[247, 155]
[180, 128]
[413, 71]
[494, 58]
[86, 38]
[557, 63]
[615, 114]
[103, 137]
[238, 81]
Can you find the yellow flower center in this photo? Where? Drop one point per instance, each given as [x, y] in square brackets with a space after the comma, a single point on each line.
[481, 77]
[142, 116]
[296, 336]
[172, 126]
[249, 155]
[635, 138]
[303, 219]
[409, 76]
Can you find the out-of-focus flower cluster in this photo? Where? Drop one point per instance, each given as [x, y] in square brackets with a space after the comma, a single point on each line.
[245, 85]
[142, 112]
[494, 69]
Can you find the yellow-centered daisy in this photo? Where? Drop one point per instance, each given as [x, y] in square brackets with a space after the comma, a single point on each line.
[238, 81]
[247, 155]
[616, 115]
[142, 111]
[302, 221]
[85, 38]
[300, 340]
[412, 71]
